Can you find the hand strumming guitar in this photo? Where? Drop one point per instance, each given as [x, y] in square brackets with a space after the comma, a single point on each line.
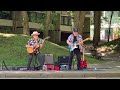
[80, 42]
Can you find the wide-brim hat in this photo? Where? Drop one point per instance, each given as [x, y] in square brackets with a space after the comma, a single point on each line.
[35, 33]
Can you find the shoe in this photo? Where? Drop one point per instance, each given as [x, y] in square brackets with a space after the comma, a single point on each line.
[69, 68]
[28, 69]
[79, 69]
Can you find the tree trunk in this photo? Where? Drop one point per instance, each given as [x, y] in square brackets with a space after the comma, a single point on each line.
[57, 29]
[86, 28]
[71, 15]
[14, 19]
[97, 25]
[110, 26]
[79, 17]
[26, 30]
[47, 23]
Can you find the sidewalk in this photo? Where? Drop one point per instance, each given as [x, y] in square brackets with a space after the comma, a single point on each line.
[109, 70]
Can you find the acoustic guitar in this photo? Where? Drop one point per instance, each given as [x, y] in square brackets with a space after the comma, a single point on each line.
[36, 46]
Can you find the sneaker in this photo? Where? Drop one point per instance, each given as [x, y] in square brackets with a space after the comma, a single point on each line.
[69, 68]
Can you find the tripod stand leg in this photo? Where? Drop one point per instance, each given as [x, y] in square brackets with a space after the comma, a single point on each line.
[3, 63]
[2, 66]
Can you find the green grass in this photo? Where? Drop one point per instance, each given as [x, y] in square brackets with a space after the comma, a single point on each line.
[13, 50]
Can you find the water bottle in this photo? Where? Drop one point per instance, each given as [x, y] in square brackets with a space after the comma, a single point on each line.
[44, 67]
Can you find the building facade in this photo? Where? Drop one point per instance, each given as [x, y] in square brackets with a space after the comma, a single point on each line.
[35, 19]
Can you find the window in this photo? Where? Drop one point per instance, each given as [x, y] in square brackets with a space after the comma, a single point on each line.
[36, 17]
[6, 15]
[32, 16]
[40, 17]
[65, 20]
[69, 21]
[62, 20]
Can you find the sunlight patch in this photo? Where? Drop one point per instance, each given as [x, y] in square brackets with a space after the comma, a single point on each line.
[23, 35]
[7, 35]
[117, 66]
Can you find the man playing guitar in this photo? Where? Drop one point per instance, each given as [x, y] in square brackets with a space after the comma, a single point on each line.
[35, 44]
[75, 37]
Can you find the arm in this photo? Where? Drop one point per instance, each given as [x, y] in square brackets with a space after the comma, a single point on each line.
[41, 45]
[28, 44]
[71, 44]
[68, 41]
[81, 40]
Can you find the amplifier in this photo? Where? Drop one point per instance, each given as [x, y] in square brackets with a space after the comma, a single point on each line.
[48, 59]
[64, 67]
[63, 59]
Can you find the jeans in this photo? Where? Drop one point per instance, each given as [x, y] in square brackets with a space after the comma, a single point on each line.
[78, 55]
[35, 57]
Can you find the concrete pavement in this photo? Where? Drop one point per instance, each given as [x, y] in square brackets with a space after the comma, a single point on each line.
[107, 70]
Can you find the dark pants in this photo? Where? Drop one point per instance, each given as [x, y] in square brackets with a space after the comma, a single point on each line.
[35, 57]
[78, 55]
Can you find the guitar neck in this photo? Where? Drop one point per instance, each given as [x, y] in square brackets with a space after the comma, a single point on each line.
[83, 53]
[46, 38]
[84, 40]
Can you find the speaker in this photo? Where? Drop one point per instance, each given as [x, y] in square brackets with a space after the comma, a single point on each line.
[64, 67]
[48, 59]
[63, 59]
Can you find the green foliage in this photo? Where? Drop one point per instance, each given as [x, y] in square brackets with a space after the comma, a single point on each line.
[5, 29]
[54, 18]
[37, 18]
[5, 15]
[115, 18]
[114, 42]
[88, 42]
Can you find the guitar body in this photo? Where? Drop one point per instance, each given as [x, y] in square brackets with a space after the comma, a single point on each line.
[71, 48]
[83, 64]
[30, 50]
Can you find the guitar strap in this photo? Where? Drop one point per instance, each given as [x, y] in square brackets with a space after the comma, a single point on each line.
[37, 50]
[76, 39]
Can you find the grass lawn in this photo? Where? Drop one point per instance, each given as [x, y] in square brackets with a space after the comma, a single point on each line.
[13, 50]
